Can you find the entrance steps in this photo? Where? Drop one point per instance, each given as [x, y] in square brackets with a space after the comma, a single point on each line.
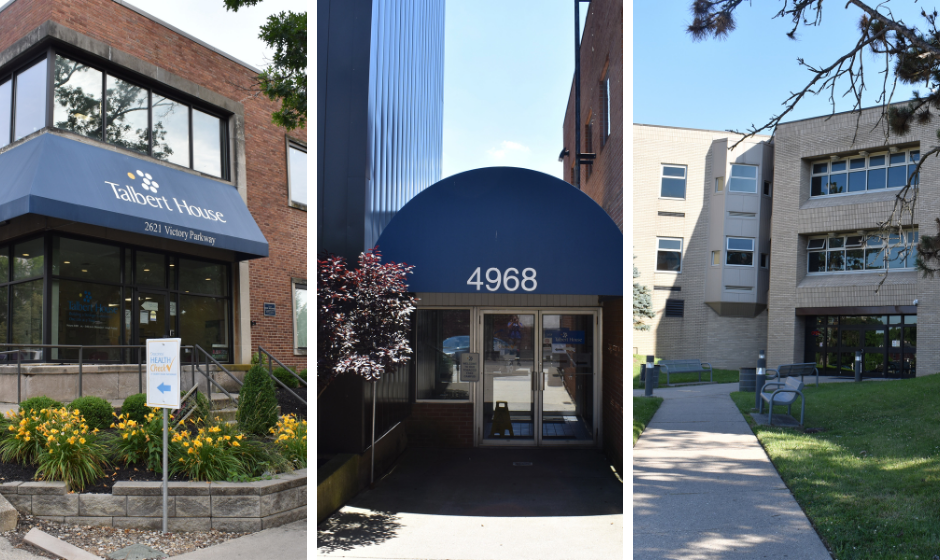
[223, 408]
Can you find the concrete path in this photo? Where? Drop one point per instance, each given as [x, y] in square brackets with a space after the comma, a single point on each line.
[703, 487]
[287, 542]
[474, 504]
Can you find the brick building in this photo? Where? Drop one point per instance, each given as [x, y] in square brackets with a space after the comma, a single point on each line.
[601, 98]
[145, 192]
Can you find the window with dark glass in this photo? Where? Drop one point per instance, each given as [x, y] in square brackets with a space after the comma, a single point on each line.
[861, 252]
[127, 107]
[673, 182]
[76, 97]
[30, 112]
[28, 259]
[150, 270]
[93, 262]
[668, 254]
[200, 277]
[740, 251]
[887, 170]
[442, 336]
[205, 321]
[87, 314]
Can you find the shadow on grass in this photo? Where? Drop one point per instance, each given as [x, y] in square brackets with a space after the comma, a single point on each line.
[643, 410]
[350, 530]
[866, 468]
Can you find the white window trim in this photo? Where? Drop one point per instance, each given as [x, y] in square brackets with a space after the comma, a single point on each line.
[662, 175]
[656, 254]
[756, 179]
[294, 282]
[848, 169]
[863, 247]
[296, 145]
[728, 250]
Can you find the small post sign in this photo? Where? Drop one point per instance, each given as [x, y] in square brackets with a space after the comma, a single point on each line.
[469, 367]
[163, 389]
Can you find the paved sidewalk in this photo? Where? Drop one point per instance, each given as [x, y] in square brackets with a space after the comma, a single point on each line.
[703, 487]
[287, 542]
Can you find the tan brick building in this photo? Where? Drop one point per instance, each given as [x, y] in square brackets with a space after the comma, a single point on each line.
[701, 239]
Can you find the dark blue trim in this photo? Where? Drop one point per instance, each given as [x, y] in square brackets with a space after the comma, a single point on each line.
[505, 217]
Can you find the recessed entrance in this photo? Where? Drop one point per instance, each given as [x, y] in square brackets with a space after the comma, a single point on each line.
[538, 381]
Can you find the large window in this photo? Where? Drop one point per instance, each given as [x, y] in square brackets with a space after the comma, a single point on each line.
[743, 179]
[886, 344]
[300, 316]
[91, 102]
[740, 251]
[668, 254]
[888, 170]
[441, 337]
[297, 174]
[673, 182]
[854, 253]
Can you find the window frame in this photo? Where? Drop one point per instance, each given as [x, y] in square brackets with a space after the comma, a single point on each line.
[656, 261]
[720, 185]
[911, 158]
[867, 244]
[716, 258]
[728, 251]
[412, 363]
[290, 143]
[685, 179]
[294, 283]
[732, 177]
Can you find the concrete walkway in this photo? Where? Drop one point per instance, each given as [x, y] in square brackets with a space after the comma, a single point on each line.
[475, 504]
[703, 487]
[287, 542]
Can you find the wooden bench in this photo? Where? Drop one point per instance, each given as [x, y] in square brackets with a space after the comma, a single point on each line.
[786, 394]
[685, 366]
[792, 370]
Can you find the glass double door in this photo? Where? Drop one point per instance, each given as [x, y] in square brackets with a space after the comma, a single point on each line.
[539, 382]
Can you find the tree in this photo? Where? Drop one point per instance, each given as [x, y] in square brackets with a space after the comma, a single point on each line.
[911, 55]
[286, 78]
[642, 303]
[362, 318]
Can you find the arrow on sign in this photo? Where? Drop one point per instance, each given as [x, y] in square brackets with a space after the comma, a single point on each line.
[163, 387]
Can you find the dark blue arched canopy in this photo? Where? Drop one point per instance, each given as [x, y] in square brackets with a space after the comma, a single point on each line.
[530, 231]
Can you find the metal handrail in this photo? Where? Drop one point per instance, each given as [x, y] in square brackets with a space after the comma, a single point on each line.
[208, 376]
[261, 350]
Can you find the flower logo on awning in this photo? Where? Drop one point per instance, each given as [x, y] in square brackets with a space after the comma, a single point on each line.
[148, 183]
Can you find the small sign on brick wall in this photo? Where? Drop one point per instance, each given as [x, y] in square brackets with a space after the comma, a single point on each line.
[270, 310]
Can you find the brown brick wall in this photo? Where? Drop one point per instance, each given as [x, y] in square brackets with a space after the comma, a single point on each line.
[613, 374]
[284, 227]
[440, 425]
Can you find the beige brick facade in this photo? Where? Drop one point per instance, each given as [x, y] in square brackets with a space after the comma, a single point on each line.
[796, 217]
[725, 342]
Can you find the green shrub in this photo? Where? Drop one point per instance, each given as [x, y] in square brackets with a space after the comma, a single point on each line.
[36, 404]
[285, 377]
[135, 407]
[257, 404]
[207, 455]
[255, 359]
[290, 436]
[96, 411]
[22, 442]
[303, 374]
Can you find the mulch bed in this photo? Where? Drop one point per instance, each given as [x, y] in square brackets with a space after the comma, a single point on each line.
[289, 404]
[11, 472]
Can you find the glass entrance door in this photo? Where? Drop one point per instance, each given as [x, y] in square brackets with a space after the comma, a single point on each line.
[151, 316]
[539, 383]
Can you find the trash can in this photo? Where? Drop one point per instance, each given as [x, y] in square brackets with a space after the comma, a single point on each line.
[747, 379]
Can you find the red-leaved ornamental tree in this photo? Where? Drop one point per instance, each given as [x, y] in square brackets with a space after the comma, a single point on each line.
[362, 317]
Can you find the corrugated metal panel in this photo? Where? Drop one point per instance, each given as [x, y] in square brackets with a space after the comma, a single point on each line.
[406, 106]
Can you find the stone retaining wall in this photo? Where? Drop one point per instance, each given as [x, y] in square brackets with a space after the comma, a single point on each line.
[191, 506]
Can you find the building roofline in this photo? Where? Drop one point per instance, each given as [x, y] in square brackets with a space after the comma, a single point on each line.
[171, 28]
[830, 115]
[701, 130]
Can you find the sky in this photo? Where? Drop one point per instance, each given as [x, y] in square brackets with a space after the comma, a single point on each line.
[234, 33]
[742, 81]
[508, 69]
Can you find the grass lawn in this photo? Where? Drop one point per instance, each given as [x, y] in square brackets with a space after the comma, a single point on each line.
[643, 410]
[870, 480]
[718, 375]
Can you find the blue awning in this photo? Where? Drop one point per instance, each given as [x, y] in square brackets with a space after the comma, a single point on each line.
[63, 178]
[532, 232]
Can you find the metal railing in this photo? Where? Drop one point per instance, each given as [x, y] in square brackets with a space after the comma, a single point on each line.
[263, 352]
[197, 350]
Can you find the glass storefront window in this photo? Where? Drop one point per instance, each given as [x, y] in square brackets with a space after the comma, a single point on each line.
[87, 314]
[88, 261]
[127, 108]
[30, 112]
[204, 321]
[28, 259]
[441, 336]
[170, 130]
[27, 313]
[207, 143]
[4, 266]
[151, 270]
[77, 98]
[200, 277]
[887, 344]
[6, 108]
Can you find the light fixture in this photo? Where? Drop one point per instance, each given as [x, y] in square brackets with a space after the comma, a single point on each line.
[207, 279]
[863, 153]
[127, 299]
[833, 158]
[25, 254]
[67, 262]
[561, 156]
[831, 234]
[172, 265]
[860, 232]
[112, 305]
[893, 149]
[83, 270]
[146, 298]
[146, 270]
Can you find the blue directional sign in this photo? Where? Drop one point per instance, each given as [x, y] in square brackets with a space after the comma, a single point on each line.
[163, 372]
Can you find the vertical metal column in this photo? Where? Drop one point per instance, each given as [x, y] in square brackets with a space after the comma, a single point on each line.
[164, 471]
